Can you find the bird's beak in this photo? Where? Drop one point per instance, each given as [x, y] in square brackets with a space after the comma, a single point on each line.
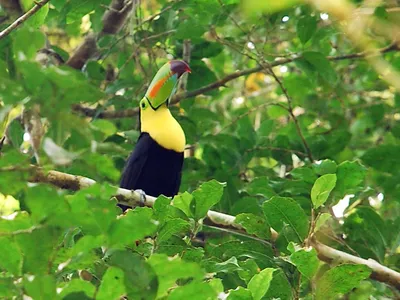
[164, 82]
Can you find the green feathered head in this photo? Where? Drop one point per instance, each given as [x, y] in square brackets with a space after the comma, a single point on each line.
[164, 83]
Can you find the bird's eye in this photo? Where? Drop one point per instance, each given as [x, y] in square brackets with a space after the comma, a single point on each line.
[143, 104]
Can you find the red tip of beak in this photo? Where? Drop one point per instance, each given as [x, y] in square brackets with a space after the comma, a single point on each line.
[179, 67]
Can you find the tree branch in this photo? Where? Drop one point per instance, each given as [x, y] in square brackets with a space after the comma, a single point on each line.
[23, 18]
[379, 272]
[131, 198]
[113, 20]
[130, 112]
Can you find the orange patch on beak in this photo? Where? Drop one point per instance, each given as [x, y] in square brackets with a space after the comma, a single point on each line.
[157, 86]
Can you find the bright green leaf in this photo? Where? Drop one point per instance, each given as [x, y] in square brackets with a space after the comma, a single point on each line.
[259, 284]
[206, 196]
[322, 188]
[306, 262]
[112, 285]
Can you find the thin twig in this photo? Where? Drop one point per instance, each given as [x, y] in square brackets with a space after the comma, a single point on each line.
[251, 110]
[292, 115]
[23, 18]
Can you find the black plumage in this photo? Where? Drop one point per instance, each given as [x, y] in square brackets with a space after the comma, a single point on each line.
[153, 169]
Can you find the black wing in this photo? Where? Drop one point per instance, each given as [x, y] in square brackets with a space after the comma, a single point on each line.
[136, 162]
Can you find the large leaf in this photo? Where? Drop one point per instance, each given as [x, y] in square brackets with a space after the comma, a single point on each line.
[340, 280]
[323, 186]
[206, 196]
[139, 278]
[169, 270]
[383, 158]
[306, 27]
[134, 225]
[254, 225]
[281, 210]
[259, 284]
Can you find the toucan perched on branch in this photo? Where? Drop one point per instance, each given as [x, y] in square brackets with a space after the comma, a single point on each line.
[155, 165]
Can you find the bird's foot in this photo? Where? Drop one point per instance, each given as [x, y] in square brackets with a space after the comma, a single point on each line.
[142, 199]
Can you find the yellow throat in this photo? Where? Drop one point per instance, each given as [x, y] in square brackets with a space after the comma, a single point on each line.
[163, 128]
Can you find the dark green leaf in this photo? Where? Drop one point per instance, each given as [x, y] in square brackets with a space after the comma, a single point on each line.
[306, 27]
[281, 210]
[254, 225]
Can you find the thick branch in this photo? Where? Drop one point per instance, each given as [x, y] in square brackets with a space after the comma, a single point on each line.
[23, 18]
[132, 198]
[113, 20]
[130, 112]
[379, 272]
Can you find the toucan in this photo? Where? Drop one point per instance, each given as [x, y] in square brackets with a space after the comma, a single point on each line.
[155, 165]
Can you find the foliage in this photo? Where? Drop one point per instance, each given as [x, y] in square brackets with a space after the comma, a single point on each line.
[278, 148]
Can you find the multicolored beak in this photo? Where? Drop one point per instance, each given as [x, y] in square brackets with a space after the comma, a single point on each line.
[164, 82]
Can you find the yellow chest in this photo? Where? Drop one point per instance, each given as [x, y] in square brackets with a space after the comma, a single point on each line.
[163, 128]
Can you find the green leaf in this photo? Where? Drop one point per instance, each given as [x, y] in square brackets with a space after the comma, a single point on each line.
[43, 201]
[323, 66]
[279, 287]
[349, 176]
[10, 256]
[383, 158]
[340, 280]
[79, 289]
[183, 202]
[322, 188]
[27, 41]
[8, 290]
[172, 227]
[260, 252]
[259, 284]
[134, 225]
[78, 8]
[39, 17]
[306, 27]
[41, 287]
[249, 268]
[169, 270]
[195, 291]
[368, 228]
[326, 166]
[281, 210]
[106, 127]
[92, 209]
[112, 285]
[240, 293]
[37, 255]
[260, 186]
[227, 266]
[306, 262]
[206, 196]
[254, 225]
[139, 278]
